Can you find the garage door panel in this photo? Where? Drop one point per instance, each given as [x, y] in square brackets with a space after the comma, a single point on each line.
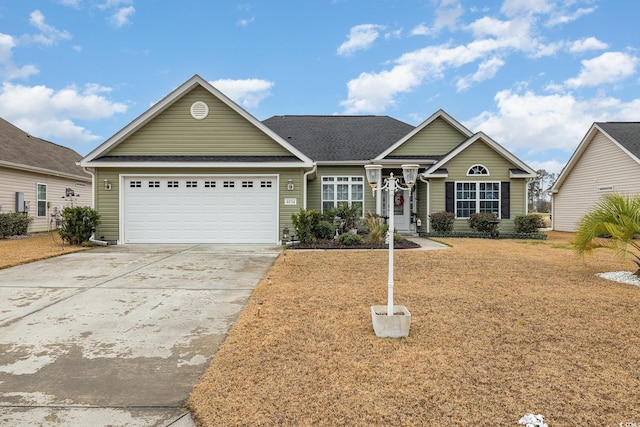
[200, 210]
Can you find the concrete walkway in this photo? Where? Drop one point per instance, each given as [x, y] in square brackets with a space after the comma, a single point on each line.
[425, 244]
[118, 336]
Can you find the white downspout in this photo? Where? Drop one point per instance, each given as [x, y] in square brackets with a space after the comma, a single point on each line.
[426, 181]
[304, 185]
[93, 205]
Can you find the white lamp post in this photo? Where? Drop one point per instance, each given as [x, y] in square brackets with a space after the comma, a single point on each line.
[374, 177]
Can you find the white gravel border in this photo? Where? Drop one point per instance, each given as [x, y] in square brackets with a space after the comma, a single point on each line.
[622, 277]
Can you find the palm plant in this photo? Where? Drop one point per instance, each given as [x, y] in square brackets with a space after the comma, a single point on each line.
[616, 216]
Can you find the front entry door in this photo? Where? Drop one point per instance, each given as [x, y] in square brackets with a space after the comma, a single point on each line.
[401, 210]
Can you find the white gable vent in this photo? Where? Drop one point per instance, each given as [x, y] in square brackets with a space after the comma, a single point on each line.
[199, 110]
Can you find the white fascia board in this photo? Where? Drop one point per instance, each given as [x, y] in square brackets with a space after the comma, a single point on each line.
[208, 165]
[438, 114]
[167, 101]
[343, 162]
[435, 175]
[43, 171]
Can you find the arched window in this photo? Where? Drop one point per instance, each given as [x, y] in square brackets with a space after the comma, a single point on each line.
[476, 170]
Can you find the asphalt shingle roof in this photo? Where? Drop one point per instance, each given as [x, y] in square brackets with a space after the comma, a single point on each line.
[339, 138]
[626, 133]
[17, 146]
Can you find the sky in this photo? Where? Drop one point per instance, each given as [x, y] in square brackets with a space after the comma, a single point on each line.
[534, 75]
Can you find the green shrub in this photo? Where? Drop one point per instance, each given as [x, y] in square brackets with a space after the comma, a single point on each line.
[442, 222]
[349, 239]
[482, 222]
[306, 222]
[528, 223]
[14, 224]
[78, 224]
[349, 216]
[324, 230]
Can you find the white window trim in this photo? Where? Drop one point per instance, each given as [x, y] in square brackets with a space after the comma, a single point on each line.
[46, 195]
[477, 199]
[335, 182]
[478, 174]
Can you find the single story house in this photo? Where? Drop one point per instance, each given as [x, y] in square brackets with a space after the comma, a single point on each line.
[606, 160]
[198, 168]
[39, 177]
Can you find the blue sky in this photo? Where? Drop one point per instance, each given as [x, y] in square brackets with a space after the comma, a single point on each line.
[532, 74]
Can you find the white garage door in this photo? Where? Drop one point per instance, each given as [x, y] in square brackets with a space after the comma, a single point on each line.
[200, 209]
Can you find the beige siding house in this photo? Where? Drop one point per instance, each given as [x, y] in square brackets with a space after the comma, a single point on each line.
[197, 168]
[606, 160]
[39, 178]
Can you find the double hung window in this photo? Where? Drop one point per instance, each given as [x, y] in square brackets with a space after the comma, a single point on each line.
[342, 189]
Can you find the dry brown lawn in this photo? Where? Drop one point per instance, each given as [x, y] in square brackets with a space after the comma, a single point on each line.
[499, 329]
[24, 249]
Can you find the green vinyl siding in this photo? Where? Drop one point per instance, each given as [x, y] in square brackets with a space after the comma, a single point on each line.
[438, 138]
[223, 132]
[107, 201]
[498, 166]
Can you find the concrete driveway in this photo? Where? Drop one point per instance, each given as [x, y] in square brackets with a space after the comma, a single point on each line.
[118, 336]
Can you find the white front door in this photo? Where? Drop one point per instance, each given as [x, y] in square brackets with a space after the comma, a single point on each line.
[401, 210]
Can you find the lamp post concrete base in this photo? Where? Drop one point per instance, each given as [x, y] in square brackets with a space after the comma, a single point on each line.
[395, 326]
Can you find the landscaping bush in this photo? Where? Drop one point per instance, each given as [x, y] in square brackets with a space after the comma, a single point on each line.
[78, 224]
[377, 228]
[349, 239]
[528, 223]
[482, 222]
[349, 216]
[324, 230]
[306, 224]
[14, 224]
[442, 222]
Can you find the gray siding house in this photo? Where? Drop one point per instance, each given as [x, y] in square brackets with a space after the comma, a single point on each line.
[39, 177]
[198, 168]
[606, 160]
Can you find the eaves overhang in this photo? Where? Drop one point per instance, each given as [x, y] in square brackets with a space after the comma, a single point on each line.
[50, 172]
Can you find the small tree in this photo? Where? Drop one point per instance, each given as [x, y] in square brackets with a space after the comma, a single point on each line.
[615, 216]
[78, 224]
[306, 224]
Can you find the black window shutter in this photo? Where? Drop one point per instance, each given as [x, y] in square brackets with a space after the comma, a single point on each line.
[449, 197]
[505, 205]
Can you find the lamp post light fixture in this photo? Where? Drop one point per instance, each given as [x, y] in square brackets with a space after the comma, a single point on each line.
[391, 184]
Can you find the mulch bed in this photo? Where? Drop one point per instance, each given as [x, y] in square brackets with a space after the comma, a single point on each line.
[333, 244]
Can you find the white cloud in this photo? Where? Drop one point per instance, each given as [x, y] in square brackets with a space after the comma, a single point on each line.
[8, 70]
[536, 123]
[70, 3]
[361, 37]
[49, 35]
[49, 114]
[247, 92]
[551, 166]
[525, 7]
[564, 17]
[610, 67]
[586, 44]
[447, 17]
[421, 30]
[246, 21]
[486, 70]
[122, 16]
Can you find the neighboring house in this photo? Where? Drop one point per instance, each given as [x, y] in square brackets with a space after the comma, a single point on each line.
[606, 160]
[197, 168]
[39, 177]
